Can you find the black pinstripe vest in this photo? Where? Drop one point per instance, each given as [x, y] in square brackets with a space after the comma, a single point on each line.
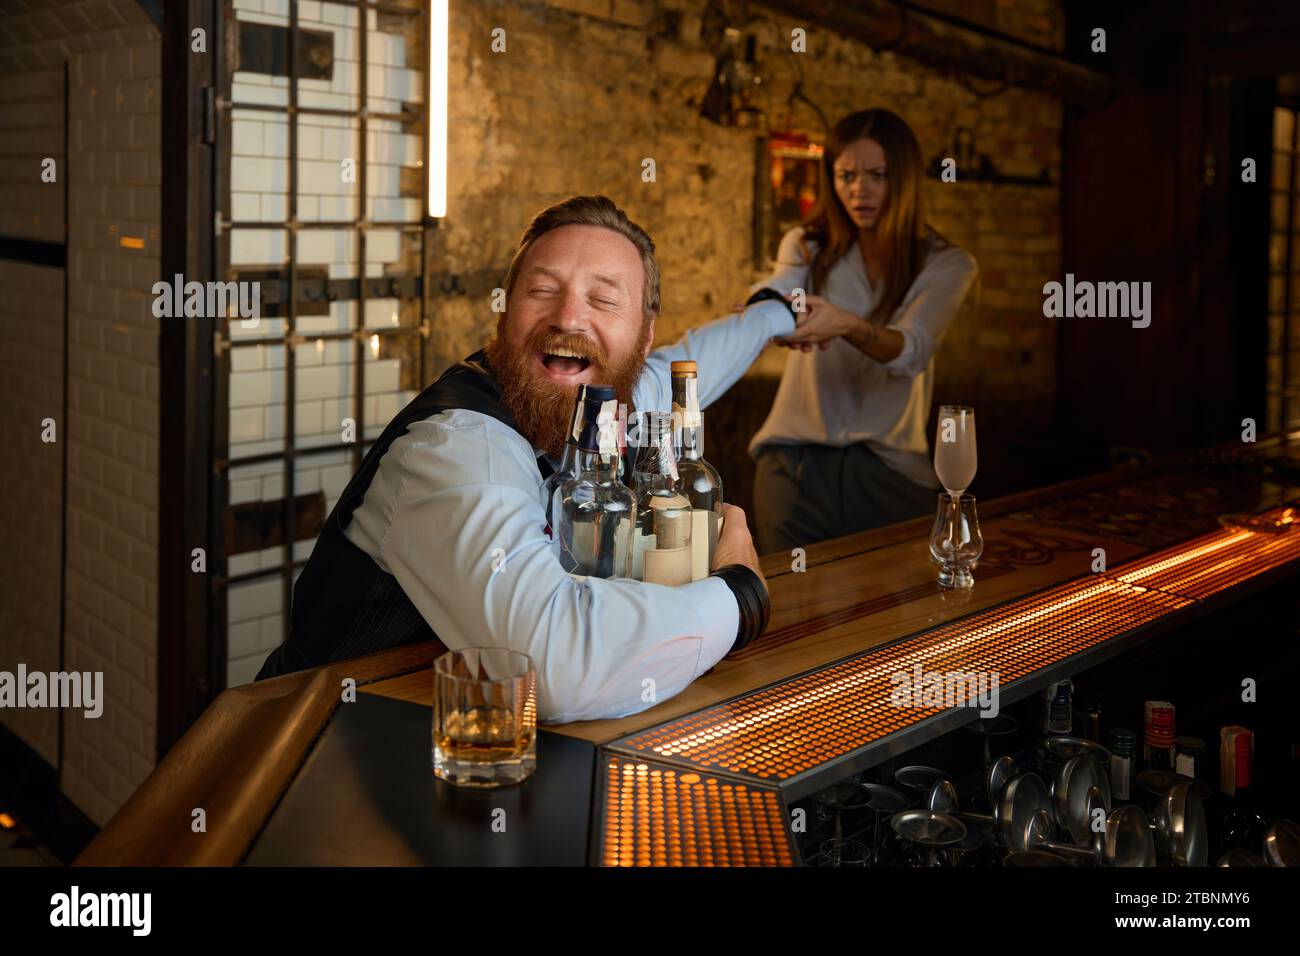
[344, 604]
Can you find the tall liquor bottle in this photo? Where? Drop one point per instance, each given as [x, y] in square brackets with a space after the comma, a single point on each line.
[1243, 826]
[661, 550]
[569, 461]
[1058, 708]
[596, 510]
[697, 479]
[1158, 734]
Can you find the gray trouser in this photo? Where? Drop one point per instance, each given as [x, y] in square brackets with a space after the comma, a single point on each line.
[809, 493]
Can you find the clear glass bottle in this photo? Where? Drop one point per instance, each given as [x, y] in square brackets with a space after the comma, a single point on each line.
[1158, 735]
[1058, 710]
[696, 478]
[569, 461]
[663, 514]
[1122, 743]
[596, 510]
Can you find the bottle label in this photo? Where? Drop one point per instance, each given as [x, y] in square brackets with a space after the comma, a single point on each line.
[671, 566]
[672, 521]
[666, 450]
[1119, 776]
[1235, 747]
[641, 543]
[607, 423]
[688, 415]
[703, 538]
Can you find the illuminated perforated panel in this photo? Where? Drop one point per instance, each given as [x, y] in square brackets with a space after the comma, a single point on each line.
[782, 731]
[655, 815]
[1212, 563]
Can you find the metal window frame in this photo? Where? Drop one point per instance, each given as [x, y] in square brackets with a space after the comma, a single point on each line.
[187, 656]
[360, 224]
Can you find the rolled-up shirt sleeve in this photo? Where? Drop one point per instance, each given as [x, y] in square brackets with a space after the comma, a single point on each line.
[467, 544]
[724, 350]
[790, 271]
[929, 309]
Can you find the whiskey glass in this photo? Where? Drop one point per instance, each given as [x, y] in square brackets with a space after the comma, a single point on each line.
[484, 717]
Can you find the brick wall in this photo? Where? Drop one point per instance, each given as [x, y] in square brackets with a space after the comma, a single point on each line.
[588, 88]
[111, 429]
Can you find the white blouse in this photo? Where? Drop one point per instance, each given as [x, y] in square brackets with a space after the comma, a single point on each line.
[839, 396]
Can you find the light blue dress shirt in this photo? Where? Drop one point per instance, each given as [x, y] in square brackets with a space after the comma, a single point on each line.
[453, 514]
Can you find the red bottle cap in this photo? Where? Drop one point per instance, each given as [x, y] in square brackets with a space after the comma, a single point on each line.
[1243, 747]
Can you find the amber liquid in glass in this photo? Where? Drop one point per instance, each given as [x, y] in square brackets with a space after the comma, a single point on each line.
[484, 735]
[484, 717]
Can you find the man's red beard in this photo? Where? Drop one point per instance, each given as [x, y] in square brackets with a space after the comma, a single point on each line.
[542, 409]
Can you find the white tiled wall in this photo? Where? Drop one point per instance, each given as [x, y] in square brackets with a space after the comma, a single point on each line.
[31, 373]
[327, 187]
[254, 608]
[324, 374]
[111, 613]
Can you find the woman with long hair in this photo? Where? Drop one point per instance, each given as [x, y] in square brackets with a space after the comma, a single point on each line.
[844, 447]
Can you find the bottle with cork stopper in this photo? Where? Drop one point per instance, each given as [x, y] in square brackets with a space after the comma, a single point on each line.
[697, 480]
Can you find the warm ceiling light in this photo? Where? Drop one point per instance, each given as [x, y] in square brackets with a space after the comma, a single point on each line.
[435, 167]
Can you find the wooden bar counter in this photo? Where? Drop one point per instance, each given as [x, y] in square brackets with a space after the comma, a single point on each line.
[288, 772]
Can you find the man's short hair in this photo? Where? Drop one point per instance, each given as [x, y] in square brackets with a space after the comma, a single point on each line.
[593, 211]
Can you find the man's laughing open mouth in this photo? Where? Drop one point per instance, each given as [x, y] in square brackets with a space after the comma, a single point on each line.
[564, 365]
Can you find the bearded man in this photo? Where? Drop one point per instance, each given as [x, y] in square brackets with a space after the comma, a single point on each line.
[441, 533]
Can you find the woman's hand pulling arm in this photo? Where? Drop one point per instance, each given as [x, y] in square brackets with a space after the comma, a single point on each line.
[822, 321]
